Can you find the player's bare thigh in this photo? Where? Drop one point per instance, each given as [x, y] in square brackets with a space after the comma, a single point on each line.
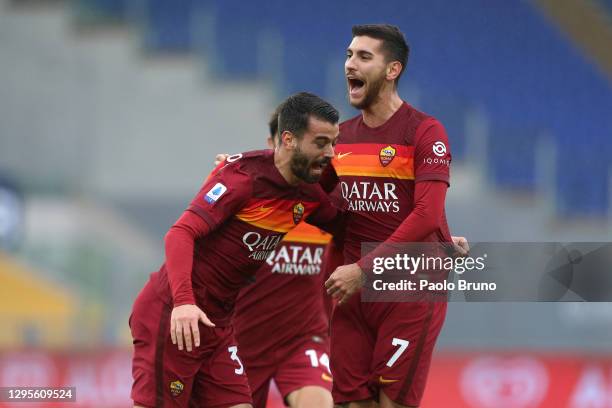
[233, 406]
[385, 402]
[358, 404]
[310, 396]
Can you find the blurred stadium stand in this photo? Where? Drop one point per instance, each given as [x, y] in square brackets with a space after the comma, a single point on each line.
[508, 59]
[99, 12]
[33, 312]
[111, 132]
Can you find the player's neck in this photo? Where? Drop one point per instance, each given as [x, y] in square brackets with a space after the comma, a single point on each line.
[382, 108]
[282, 161]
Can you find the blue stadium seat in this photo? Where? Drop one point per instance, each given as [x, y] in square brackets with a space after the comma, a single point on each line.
[505, 57]
[582, 180]
[237, 39]
[168, 25]
[512, 157]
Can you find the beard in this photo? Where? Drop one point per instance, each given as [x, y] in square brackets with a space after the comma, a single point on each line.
[301, 166]
[374, 87]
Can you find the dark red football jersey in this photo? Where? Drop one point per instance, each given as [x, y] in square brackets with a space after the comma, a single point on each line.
[249, 207]
[377, 169]
[286, 302]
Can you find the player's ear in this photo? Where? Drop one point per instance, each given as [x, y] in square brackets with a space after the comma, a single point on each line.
[394, 68]
[288, 140]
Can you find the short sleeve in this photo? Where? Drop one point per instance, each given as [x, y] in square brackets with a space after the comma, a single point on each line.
[224, 193]
[432, 156]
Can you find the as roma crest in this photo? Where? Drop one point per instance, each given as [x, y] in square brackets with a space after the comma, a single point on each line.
[298, 212]
[176, 388]
[386, 155]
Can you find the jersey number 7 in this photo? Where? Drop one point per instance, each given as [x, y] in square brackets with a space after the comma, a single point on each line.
[403, 345]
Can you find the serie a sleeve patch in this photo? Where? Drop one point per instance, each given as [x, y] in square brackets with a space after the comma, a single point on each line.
[215, 193]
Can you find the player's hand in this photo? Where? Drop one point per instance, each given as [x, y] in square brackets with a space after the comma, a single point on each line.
[184, 323]
[345, 281]
[461, 245]
[220, 157]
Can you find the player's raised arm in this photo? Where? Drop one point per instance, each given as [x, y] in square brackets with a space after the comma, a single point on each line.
[223, 193]
[424, 220]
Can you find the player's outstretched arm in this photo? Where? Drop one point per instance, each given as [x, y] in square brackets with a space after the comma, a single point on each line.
[346, 279]
[223, 194]
[422, 221]
[179, 262]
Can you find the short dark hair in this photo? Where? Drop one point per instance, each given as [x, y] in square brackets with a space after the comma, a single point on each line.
[273, 122]
[394, 43]
[296, 110]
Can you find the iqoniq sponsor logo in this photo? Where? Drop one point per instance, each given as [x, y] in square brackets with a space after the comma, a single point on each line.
[439, 149]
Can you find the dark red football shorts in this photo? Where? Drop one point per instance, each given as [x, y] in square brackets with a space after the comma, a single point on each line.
[383, 347]
[211, 375]
[303, 363]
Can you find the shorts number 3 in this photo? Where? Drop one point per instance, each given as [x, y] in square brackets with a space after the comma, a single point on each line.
[233, 350]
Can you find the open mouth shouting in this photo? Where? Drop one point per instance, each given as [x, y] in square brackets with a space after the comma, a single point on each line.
[356, 86]
[318, 166]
